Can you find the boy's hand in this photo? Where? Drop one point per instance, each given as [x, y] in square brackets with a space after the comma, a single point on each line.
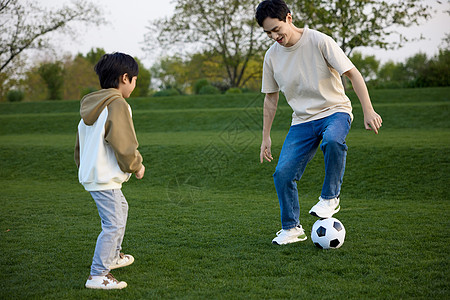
[265, 150]
[372, 121]
[139, 174]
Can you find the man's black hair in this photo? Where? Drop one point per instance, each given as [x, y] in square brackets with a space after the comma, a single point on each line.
[111, 66]
[275, 9]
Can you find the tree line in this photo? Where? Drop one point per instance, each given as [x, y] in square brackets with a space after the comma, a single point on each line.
[416, 71]
[69, 79]
[210, 46]
[180, 76]
[74, 77]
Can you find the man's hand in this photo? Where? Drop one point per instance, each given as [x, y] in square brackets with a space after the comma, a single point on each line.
[139, 174]
[270, 108]
[372, 121]
[265, 150]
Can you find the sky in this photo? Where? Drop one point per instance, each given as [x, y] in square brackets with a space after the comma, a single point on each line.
[128, 21]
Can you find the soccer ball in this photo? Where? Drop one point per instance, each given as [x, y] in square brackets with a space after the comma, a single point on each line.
[328, 233]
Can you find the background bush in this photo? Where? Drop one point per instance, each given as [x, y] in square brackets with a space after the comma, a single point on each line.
[15, 95]
[199, 84]
[167, 92]
[209, 90]
[233, 91]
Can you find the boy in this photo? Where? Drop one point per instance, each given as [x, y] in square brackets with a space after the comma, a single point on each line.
[307, 66]
[106, 154]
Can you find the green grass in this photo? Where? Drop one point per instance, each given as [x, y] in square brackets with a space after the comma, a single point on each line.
[202, 219]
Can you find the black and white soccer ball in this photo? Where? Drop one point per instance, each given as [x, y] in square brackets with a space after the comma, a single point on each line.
[328, 233]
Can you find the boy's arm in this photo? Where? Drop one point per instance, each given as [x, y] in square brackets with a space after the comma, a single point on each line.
[270, 108]
[120, 135]
[140, 174]
[372, 121]
[77, 152]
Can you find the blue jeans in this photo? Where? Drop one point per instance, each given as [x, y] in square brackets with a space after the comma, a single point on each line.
[113, 210]
[299, 148]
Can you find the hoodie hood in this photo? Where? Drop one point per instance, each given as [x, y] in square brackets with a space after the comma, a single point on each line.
[92, 105]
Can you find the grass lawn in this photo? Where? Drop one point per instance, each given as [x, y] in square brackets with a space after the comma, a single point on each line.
[201, 221]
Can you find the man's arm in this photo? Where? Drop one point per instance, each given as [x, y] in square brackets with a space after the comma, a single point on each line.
[270, 108]
[372, 121]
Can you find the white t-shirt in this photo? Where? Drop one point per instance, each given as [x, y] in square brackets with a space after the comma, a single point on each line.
[308, 74]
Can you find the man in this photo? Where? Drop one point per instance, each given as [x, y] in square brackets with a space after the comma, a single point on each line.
[307, 66]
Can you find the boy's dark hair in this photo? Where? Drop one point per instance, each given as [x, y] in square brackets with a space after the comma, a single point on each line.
[276, 9]
[111, 66]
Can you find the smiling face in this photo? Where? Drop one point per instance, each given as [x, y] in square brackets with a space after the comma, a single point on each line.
[280, 31]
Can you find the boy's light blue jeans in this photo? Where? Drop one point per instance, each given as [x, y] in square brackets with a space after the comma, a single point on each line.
[299, 148]
[113, 210]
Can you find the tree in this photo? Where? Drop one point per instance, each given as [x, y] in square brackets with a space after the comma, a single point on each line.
[415, 65]
[355, 23]
[79, 77]
[367, 65]
[24, 25]
[52, 73]
[219, 27]
[418, 71]
[208, 66]
[33, 85]
[390, 75]
[436, 71]
[143, 83]
[94, 55]
[171, 73]
[183, 74]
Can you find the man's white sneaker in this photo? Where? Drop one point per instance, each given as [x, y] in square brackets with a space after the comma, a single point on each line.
[122, 261]
[296, 234]
[107, 282]
[325, 208]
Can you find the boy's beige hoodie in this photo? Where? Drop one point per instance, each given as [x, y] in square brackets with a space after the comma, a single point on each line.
[106, 148]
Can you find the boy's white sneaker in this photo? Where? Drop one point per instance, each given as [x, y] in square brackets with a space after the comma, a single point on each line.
[122, 261]
[106, 282]
[325, 208]
[287, 236]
